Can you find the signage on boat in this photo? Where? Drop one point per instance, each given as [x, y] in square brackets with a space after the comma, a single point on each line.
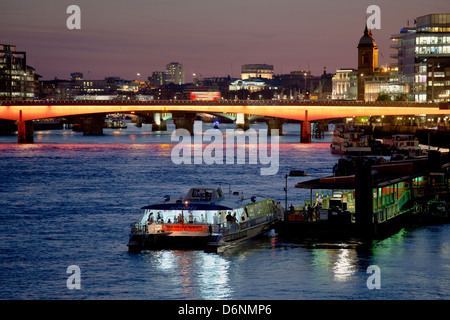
[185, 227]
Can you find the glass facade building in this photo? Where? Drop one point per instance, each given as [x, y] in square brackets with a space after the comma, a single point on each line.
[17, 80]
[423, 56]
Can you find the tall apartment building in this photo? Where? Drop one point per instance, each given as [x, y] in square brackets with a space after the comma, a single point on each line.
[423, 57]
[18, 81]
[249, 71]
[175, 73]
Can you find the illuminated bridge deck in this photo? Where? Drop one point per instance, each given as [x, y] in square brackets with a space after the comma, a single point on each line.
[287, 109]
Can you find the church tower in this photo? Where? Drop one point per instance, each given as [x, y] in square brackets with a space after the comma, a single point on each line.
[367, 60]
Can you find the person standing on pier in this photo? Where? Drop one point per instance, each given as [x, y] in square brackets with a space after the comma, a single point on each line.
[310, 213]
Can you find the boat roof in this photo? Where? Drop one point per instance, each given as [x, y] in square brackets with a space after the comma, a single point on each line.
[188, 206]
[218, 201]
[382, 175]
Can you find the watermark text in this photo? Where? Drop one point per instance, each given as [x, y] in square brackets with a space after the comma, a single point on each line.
[228, 150]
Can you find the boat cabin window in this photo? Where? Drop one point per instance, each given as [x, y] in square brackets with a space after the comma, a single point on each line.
[203, 194]
[179, 216]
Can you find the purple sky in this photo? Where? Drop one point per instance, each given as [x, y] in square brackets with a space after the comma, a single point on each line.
[209, 37]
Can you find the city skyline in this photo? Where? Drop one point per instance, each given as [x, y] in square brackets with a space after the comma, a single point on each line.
[210, 38]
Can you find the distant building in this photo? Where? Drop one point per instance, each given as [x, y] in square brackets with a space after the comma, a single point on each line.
[18, 81]
[374, 81]
[385, 82]
[325, 85]
[76, 76]
[345, 84]
[299, 85]
[157, 79]
[75, 88]
[253, 85]
[174, 73]
[423, 55]
[249, 71]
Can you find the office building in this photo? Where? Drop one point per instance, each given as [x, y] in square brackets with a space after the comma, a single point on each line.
[157, 79]
[75, 88]
[174, 73]
[423, 54]
[18, 81]
[386, 82]
[438, 73]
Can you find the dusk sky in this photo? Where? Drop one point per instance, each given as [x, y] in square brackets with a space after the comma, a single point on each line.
[209, 37]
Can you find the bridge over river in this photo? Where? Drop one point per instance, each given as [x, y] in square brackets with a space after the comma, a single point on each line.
[184, 111]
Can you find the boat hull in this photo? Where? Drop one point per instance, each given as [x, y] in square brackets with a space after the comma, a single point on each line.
[220, 243]
[208, 242]
[141, 242]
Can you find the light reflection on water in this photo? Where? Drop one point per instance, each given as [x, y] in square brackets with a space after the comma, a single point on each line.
[344, 266]
[196, 274]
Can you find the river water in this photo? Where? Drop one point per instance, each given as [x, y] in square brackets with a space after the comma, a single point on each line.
[69, 200]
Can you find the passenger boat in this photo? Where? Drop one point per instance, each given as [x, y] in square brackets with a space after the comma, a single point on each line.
[205, 219]
[350, 140]
[406, 144]
[434, 212]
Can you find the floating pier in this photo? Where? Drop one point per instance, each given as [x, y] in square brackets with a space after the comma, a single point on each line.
[376, 200]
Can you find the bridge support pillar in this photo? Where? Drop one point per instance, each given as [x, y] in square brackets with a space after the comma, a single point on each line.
[139, 121]
[158, 124]
[184, 120]
[242, 121]
[275, 123]
[91, 125]
[363, 199]
[25, 131]
[305, 136]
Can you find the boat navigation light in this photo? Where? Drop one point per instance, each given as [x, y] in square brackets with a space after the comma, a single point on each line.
[186, 202]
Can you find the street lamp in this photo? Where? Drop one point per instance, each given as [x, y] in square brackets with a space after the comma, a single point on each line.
[305, 85]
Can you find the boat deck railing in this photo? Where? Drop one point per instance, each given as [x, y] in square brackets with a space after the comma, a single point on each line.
[223, 228]
[299, 214]
[138, 227]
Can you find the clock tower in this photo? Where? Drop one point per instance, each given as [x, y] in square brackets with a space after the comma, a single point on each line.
[367, 60]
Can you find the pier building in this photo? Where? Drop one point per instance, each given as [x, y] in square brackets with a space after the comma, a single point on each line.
[379, 198]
